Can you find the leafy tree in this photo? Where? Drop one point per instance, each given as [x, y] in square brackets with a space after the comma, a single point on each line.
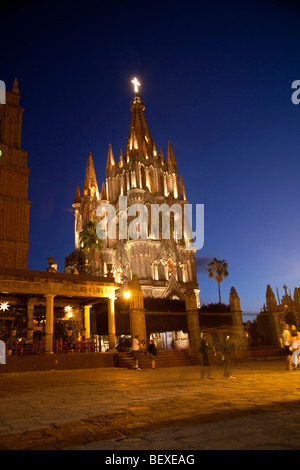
[77, 260]
[88, 237]
[91, 245]
[217, 269]
[215, 308]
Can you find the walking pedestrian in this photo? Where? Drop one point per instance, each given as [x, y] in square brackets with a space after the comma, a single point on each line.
[152, 350]
[286, 342]
[205, 367]
[136, 352]
[228, 350]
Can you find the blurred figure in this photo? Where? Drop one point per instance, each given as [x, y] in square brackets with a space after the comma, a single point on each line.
[205, 367]
[295, 345]
[228, 351]
[218, 349]
[143, 347]
[136, 352]
[286, 341]
[152, 352]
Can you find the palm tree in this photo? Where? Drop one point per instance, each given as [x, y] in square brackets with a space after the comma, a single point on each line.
[217, 270]
[91, 244]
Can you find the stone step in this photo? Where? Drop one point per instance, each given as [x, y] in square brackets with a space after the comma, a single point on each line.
[163, 359]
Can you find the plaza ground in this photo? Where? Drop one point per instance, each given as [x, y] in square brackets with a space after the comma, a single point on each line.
[167, 408]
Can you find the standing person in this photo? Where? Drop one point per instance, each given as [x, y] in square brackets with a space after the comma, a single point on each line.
[286, 341]
[228, 350]
[152, 352]
[136, 352]
[205, 369]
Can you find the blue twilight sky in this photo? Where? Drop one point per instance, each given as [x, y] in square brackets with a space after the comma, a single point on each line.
[216, 80]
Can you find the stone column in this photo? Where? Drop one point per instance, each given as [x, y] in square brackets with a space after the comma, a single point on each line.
[87, 320]
[30, 308]
[137, 311]
[49, 323]
[192, 319]
[111, 324]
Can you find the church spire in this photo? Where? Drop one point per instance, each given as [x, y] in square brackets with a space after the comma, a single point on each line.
[139, 136]
[90, 182]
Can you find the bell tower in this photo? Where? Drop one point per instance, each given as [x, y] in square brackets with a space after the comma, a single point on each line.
[14, 204]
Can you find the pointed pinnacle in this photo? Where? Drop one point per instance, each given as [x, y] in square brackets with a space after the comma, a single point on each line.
[15, 88]
[182, 188]
[77, 198]
[103, 195]
[110, 159]
[170, 157]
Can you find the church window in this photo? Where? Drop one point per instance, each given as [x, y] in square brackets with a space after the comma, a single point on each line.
[143, 177]
[161, 272]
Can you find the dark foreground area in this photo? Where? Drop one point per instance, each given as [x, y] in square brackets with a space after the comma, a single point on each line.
[120, 409]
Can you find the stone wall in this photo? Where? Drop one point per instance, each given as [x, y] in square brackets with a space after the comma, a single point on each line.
[55, 362]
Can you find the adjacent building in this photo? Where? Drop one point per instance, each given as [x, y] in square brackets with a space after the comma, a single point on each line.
[14, 203]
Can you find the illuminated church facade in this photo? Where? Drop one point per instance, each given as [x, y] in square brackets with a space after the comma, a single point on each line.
[164, 262]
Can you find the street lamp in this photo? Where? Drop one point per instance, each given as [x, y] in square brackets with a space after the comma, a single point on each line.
[127, 294]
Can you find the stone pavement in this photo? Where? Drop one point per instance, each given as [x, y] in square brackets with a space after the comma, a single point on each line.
[161, 409]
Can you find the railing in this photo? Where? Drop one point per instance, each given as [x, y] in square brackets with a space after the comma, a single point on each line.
[26, 348]
[64, 346]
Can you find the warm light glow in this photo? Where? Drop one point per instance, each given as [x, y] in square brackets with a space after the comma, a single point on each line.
[69, 310]
[4, 306]
[127, 294]
[136, 84]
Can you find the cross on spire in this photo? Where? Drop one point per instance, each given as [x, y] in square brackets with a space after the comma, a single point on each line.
[136, 84]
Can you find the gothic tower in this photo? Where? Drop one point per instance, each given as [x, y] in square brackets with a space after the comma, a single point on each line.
[14, 204]
[162, 257]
